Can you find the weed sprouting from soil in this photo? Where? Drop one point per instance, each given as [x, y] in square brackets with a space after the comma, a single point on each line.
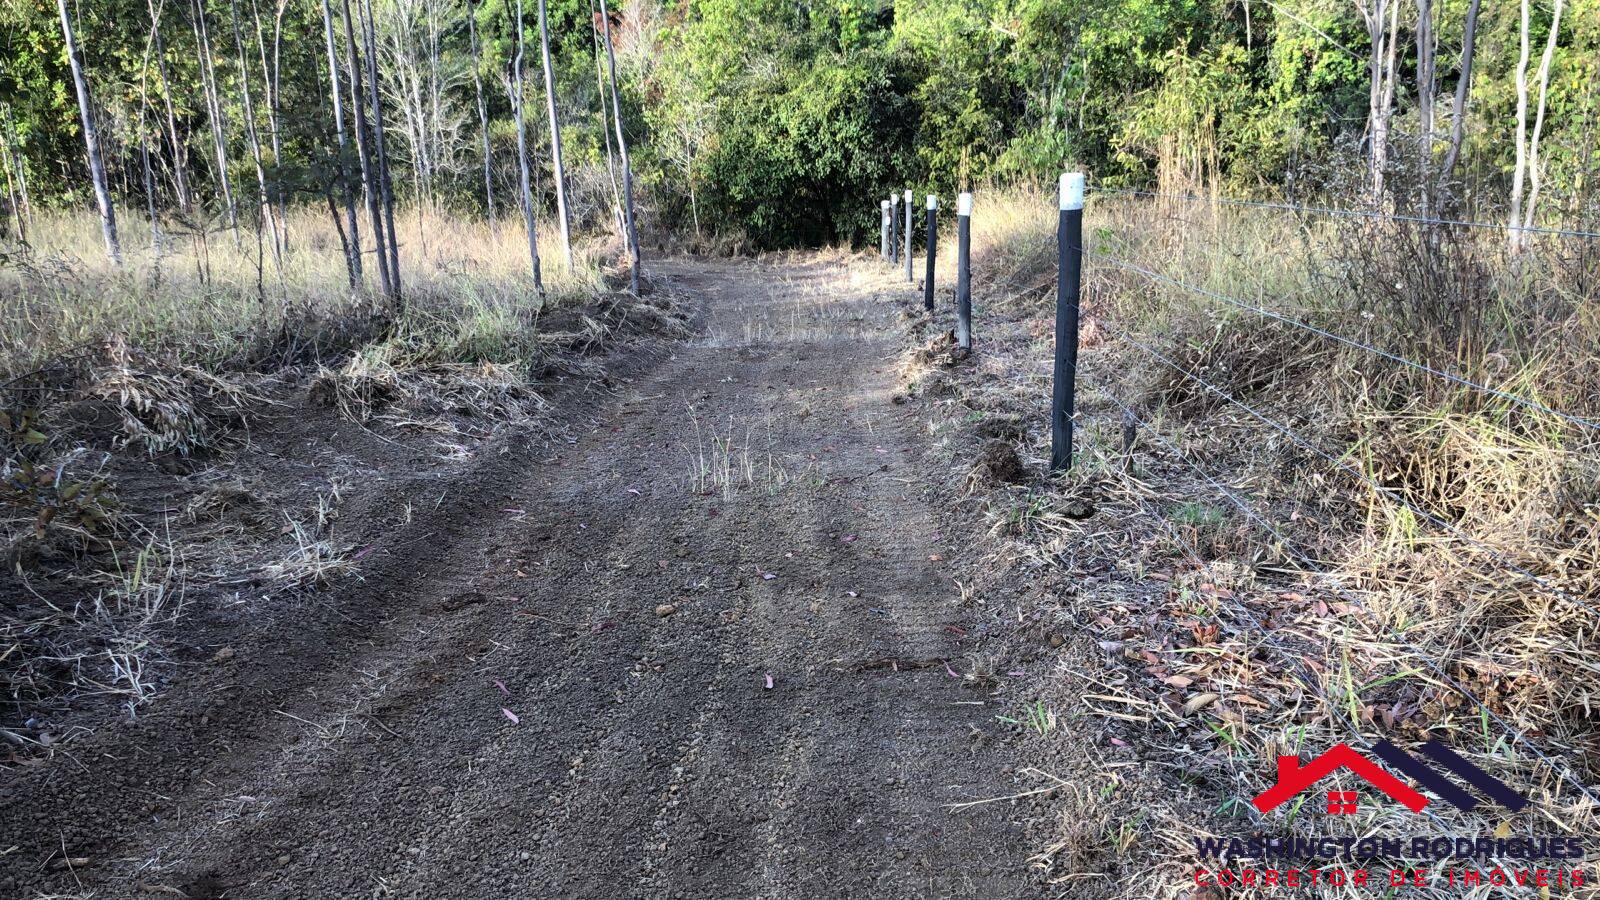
[724, 464]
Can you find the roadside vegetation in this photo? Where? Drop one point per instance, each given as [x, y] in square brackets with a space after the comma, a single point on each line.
[1401, 543]
[172, 427]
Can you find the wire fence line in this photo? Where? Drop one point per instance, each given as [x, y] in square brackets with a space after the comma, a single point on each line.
[1460, 380]
[1372, 483]
[1312, 568]
[1351, 213]
[1070, 255]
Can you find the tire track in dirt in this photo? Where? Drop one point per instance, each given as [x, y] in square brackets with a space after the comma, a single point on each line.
[650, 758]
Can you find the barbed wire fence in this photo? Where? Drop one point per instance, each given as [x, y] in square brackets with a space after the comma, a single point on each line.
[1071, 257]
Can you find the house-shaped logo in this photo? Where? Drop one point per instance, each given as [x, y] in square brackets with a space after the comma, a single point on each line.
[1295, 779]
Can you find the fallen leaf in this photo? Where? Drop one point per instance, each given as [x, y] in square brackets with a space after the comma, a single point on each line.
[769, 680]
[511, 715]
[1199, 702]
[502, 686]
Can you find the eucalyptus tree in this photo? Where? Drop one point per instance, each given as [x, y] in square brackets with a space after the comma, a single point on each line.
[91, 138]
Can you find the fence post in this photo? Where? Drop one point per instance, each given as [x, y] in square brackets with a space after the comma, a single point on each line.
[883, 228]
[1069, 286]
[909, 278]
[964, 271]
[894, 228]
[933, 250]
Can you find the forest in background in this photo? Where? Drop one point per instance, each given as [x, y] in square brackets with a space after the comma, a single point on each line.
[774, 122]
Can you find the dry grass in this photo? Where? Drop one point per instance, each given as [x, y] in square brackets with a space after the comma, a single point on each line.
[1223, 648]
[174, 357]
[205, 300]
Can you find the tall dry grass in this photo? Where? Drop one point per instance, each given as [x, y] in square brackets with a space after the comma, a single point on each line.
[1245, 651]
[204, 298]
[107, 373]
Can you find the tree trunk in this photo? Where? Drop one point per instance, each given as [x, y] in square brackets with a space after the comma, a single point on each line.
[369, 173]
[605, 127]
[522, 155]
[555, 135]
[1519, 172]
[12, 145]
[1374, 14]
[351, 233]
[13, 199]
[1535, 173]
[1463, 95]
[208, 78]
[483, 111]
[262, 197]
[1426, 53]
[385, 183]
[622, 149]
[272, 77]
[144, 145]
[91, 139]
[180, 154]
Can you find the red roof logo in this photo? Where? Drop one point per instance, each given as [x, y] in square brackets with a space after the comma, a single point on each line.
[1294, 779]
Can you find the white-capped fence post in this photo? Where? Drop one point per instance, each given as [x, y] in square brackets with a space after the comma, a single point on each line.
[909, 279]
[964, 271]
[1069, 286]
[883, 228]
[933, 250]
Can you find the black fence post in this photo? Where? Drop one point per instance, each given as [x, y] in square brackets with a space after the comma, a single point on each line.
[933, 250]
[1069, 286]
[964, 271]
[909, 214]
[894, 228]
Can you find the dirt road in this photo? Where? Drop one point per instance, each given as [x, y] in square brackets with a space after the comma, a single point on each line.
[706, 649]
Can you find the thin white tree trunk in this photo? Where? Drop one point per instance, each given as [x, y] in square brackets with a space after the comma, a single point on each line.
[1520, 168]
[180, 155]
[622, 149]
[144, 146]
[522, 154]
[483, 111]
[353, 221]
[91, 139]
[208, 78]
[1426, 56]
[381, 156]
[369, 170]
[1463, 93]
[262, 197]
[1535, 174]
[605, 127]
[8, 158]
[555, 135]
